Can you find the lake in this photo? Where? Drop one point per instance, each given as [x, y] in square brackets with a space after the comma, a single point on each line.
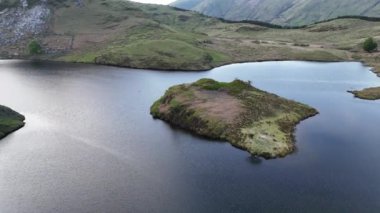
[90, 145]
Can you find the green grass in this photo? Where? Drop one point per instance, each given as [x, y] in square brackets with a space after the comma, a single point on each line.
[235, 87]
[87, 57]
[164, 53]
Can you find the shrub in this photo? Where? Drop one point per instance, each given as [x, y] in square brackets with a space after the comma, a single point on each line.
[234, 88]
[369, 45]
[207, 58]
[34, 48]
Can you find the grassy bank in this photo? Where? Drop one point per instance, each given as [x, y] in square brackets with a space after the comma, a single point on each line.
[10, 121]
[248, 118]
[368, 94]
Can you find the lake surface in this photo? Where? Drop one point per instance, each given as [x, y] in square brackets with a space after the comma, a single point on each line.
[90, 144]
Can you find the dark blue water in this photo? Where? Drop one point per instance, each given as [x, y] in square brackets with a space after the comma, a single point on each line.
[90, 144]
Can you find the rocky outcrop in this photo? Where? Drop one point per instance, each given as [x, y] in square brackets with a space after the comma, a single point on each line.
[23, 21]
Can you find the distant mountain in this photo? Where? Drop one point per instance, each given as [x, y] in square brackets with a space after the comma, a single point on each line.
[284, 12]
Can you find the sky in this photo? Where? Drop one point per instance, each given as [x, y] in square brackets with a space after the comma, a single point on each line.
[155, 1]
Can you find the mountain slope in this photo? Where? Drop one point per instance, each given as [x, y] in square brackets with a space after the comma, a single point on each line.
[284, 12]
[123, 33]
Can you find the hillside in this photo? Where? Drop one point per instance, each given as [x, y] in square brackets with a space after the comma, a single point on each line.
[123, 33]
[283, 12]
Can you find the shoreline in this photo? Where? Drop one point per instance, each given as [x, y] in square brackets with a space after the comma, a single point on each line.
[372, 69]
[292, 137]
[153, 69]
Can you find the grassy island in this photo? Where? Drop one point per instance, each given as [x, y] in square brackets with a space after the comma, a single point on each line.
[10, 121]
[368, 94]
[251, 119]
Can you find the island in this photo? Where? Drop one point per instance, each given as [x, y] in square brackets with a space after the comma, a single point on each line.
[10, 121]
[367, 94]
[248, 118]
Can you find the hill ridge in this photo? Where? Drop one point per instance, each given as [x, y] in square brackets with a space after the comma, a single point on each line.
[282, 12]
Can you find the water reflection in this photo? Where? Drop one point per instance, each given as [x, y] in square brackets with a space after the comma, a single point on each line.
[255, 160]
[90, 144]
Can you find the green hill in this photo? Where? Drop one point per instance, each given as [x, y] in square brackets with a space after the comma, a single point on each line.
[284, 12]
[123, 33]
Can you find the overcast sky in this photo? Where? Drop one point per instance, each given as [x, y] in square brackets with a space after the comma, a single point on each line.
[155, 1]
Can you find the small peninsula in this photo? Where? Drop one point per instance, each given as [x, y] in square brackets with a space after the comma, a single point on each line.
[10, 121]
[250, 119]
[367, 94]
